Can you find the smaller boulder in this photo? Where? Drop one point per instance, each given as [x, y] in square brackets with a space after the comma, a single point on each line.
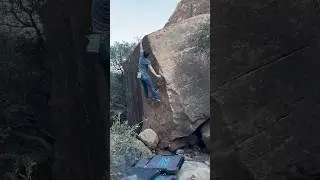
[194, 170]
[149, 137]
[180, 152]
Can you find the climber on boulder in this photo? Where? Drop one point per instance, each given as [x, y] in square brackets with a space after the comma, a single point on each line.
[146, 81]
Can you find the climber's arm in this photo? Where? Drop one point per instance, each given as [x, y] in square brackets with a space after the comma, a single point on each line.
[153, 71]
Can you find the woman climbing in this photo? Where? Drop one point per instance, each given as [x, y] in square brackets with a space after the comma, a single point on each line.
[146, 81]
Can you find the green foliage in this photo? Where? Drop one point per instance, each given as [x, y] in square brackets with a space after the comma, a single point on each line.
[25, 83]
[117, 89]
[202, 38]
[122, 137]
[22, 166]
[119, 53]
[122, 128]
[23, 106]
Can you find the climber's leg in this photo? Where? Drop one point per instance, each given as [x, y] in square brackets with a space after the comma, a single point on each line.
[154, 90]
[145, 88]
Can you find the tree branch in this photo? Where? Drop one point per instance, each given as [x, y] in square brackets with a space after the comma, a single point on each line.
[26, 125]
[4, 156]
[31, 23]
[119, 105]
[15, 15]
[22, 7]
[11, 25]
[33, 138]
[29, 13]
[39, 34]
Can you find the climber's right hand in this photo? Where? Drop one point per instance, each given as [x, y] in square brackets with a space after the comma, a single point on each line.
[158, 76]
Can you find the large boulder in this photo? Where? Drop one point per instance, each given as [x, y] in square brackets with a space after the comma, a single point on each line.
[187, 9]
[265, 95]
[184, 90]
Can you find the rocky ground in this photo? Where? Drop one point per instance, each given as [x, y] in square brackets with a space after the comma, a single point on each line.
[195, 154]
[196, 165]
[190, 154]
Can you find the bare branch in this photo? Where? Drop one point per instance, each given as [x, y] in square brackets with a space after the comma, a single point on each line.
[4, 156]
[34, 25]
[15, 15]
[29, 12]
[118, 105]
[11, 25]
[23, 7]
[33, 138]
[28, 125]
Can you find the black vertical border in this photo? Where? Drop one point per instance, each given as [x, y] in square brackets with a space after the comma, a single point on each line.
[100, 23]
[104, 57]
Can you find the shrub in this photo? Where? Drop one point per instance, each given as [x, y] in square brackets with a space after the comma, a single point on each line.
[125, 148]
[22, 167]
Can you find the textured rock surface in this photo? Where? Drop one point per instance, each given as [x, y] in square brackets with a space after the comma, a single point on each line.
[187, 9]
[265, 93]
[149, 137]
[194, 154]
[185, 88]
[194, 170]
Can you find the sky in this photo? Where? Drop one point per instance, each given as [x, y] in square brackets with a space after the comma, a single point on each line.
[130, 19]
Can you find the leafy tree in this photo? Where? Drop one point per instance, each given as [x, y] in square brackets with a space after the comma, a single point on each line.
[22, 17]
[119, 53]
[38, 141]
[24, 111]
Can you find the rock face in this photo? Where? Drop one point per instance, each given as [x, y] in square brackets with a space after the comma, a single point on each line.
[149, 137]
[185, 88]
[187, 9]
[265, 95]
